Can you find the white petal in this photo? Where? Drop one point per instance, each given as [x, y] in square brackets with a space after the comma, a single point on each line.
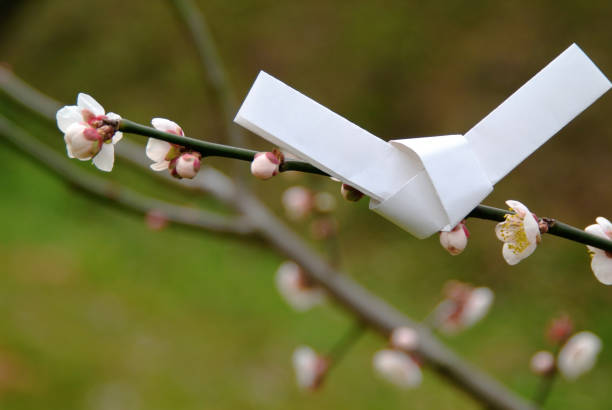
[113, 116]
[305, 366]
[160, 166]
[117, 137]
[68, 115]
[165, 125]
[596, 230]
[518, 207]
[579, 354]
[106, 158]
[87, 102]
[157, 150]
[477, 305]
[605, 225]
[512, 257]
[601, 264]
[398, 368]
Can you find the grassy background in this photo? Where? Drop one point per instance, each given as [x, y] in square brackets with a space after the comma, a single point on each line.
[98, 312]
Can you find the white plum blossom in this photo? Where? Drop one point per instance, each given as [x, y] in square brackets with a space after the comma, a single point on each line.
[309, 367]
[456, 239]
[542, 363]
[398, 368]
[601, 261]
[579, 354]
[298, 202]
[463, 307]
[162, 152]
[85, 133]
[520, 233]
[265, 165]
[404, 338]
[296, 289]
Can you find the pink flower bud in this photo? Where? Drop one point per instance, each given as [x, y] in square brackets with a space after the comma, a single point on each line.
[560, 329]
[405, 338]
[265, 165]
[542, 363]
[185, 166]
[298, 202]
[455, 241]
[82, 141]
[350, 194]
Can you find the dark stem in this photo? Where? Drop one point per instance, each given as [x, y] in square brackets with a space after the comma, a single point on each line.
[544, 388]
[344, 344]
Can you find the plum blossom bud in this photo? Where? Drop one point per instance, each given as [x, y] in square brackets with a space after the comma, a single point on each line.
[405, 338]
[520, 233]
[186, 166]
[455, 241]
[350, 194]
[601, 261]
[265, 164]
[464, 306]
[296, 288]
[542, 363]
[324, 202]
[560, 329]
[298, 202]
[156, 220]
[578, 355]
[82, 141]
[398, 368]
[310, 368]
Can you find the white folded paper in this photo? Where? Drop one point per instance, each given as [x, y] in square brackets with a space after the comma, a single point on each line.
[425, 185]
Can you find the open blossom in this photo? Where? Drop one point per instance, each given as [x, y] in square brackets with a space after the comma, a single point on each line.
[162, 152]
[601, 261]
[265, 165]
[85, 133]
[578, 355]
[298, 202]
[309, 367]
[464, 306]
[398, 368]
[296, 288]
[520, 233]
[542, 363]
[455, 240]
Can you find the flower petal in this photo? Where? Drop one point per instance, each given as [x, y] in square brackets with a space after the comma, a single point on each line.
[165, 125]
[117, 137]
[68, 115]
[518, 207]
[160, 166]
[87, 102]
[596, 230]
[601, 264]
[157, 150]
[105, 159]
[513, 257]
[605, 225]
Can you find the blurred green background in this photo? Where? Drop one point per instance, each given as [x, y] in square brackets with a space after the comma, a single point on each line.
[99, 312]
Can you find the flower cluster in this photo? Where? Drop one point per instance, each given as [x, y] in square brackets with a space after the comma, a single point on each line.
[181, 163]
[87, 132]
[463, 307]
[601, 261]
[399, 363]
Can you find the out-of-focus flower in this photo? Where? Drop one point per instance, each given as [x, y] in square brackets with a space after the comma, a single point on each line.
[463, 307]
[296, 288]
[265, 164]
[579, 354]
[298, 202]
[310, 367]
[156, 220]
[160, 151]
[560, 329]
[186, 166]
[323, 228]
[404, 338]
[324, 202]
[601, 261]
[520, 233]
[350, 194]
[456, 240]
[398, 368]
[86, 134]
[542, 363]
